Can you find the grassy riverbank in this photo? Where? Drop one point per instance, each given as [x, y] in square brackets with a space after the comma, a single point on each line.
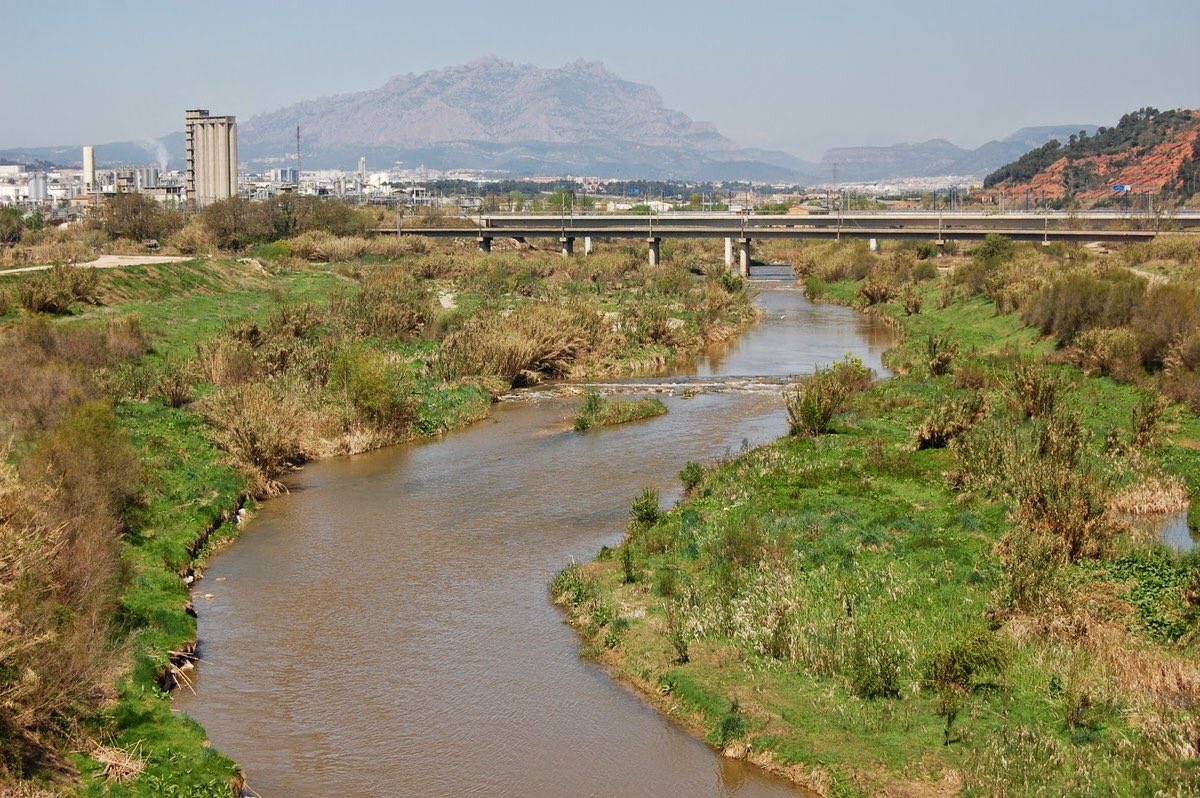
[156, 401]
[937, 592]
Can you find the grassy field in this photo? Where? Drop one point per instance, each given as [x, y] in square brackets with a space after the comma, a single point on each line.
[931, 596]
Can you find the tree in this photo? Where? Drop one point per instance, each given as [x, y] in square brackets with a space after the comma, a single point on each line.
[516, 201]
[10, 225]
[137, 216]
[236, 222]
[561, 201]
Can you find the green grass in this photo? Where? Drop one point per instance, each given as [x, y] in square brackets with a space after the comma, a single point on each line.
[869, 545]
[599, 411]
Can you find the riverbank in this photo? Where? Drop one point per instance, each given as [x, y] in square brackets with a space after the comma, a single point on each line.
[237, 371]
[936, 596]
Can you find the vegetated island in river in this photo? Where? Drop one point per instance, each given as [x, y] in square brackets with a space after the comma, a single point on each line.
[601, 411]
[147, 406]
[931, 586]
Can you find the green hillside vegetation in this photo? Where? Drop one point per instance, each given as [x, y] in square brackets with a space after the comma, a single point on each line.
[930, 585]
[1135, 135]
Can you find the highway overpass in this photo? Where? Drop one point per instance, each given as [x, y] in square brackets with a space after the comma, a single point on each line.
[743, 229]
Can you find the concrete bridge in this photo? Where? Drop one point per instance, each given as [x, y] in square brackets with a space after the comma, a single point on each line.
[740, 231]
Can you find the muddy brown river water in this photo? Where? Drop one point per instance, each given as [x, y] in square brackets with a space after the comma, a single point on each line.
[385, 629]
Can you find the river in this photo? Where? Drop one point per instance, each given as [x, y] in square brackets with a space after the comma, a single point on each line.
[385, 628]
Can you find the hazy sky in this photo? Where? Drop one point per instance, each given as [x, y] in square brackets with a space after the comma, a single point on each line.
[797, 76]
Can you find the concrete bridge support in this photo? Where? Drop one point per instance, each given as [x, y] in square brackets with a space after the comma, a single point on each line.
[744, 256]
[587, 245]
[729, 253]
[568, 246]
[655, 251]
[485, 244]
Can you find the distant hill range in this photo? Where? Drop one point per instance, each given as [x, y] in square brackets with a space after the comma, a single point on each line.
[935, 157]
[579, 119]
[1149, 151]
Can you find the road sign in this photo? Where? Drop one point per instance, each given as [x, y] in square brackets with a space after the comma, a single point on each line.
[1120, 187]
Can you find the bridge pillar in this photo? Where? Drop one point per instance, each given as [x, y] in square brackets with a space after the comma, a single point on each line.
[655, 252]
[728, 253]
[568, 246]
[744, 256]
[587, 245]
[485, 244]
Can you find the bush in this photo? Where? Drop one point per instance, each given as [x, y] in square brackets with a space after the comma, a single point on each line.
[952, 669]
[644, 512]
[691, 475]
[875, 664]
[1169, 313]
[949, 420]
[912, 299]
[1081, 300]
[398, 246]
[173, 386]
[816, 399]
[54, 291]
[264, 431]
[375, 388]
[939, 351]
[995, 248]
[1109, 352]
[876, 291]
[390, 303]
[1034, 388]
[540, 341]
[342, 249]
[814, 288]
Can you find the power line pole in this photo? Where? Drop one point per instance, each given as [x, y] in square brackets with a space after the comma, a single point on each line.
[297, 158]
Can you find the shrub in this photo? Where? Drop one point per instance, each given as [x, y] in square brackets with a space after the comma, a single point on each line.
[949, 420]
[54, 291]
[814, 287]
[1146, 416]
[309, 245]
[3, 302]
[539, 341]
[994, 247]
[342, 249]
[264, 431]
[644, 512]
[924, 270]
[1169, 313]
[939, 351]
[375, 388]
[691, 475]
[816, 399]
[390, 303]
[193, 239]
[1034, 388]
[173, 386]
[226, 361]
[952, 669]
[876, 291]
[1081, 300]
[1111, 352]
[912, 299]
[875, 664]
[398, 246]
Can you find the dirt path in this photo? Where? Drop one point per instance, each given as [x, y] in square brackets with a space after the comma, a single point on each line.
[107, 262]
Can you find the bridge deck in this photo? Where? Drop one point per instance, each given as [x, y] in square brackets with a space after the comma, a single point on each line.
[668, 230]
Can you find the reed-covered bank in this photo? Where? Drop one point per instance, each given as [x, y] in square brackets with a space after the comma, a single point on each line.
[931, 586]
[144, 407]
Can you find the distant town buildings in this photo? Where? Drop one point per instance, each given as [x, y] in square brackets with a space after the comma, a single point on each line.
[212, 167]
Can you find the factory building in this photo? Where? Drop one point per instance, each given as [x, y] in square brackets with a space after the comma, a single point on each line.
[211, 143]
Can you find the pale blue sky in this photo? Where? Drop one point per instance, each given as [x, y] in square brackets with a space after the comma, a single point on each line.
[797, 76]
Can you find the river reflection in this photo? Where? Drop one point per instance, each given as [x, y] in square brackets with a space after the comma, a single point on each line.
[385, 629]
